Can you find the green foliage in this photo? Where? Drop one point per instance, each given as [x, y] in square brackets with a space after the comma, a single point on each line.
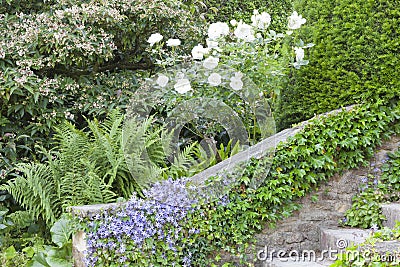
[66, 60]
[36, 253]
[61, 254]
[391, 175]
[226, 10]
[366, 254]
[5, 223]
[354, 59]
[82, 169]
[366, 207]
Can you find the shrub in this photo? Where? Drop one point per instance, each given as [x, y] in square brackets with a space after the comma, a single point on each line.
[68, 59]
[354, 59]
[226, 10]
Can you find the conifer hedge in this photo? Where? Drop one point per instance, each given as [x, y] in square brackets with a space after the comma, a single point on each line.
[356, 57]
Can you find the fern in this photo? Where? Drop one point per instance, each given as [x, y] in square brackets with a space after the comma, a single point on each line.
[113, 158]
[34, 190]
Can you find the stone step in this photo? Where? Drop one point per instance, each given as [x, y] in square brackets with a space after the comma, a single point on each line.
[340, 238]
[287, 262]
[392, 214]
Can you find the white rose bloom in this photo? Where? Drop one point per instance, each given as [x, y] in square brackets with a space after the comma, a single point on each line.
[198, 51]
[162, 80]
[245, 32]
[236, 83]
[217, 30]
[173, 42]
[154, 38]
[261, 21]
[299, 53]
[233, 22]
[295, 21]
[182, 86]
[214, 79]
[210, 63]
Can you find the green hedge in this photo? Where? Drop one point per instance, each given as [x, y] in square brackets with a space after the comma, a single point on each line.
[355, 58]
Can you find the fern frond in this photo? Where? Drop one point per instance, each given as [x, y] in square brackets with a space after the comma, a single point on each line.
[34, 190]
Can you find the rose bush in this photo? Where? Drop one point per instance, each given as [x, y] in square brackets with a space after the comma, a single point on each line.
[254, 50]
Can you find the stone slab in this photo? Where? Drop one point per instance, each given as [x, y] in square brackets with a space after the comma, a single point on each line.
[339, 239]
[392, 214]
[295, 263]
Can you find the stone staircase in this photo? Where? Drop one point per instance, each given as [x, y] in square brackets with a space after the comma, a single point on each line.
[335, 240]
[315, 228]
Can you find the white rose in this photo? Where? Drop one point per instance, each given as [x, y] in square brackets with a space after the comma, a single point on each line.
[214, 79]
[182, 86]
[236, 83]
[261, 21]
[295, 21]
[198, 52]
[299, 53]
[245, 32]
[162, 80]
[154, 38]
[217, 30]
[210, 63]
[233, 22]
[173, 42]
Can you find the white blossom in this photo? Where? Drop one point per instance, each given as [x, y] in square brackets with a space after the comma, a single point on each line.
[154, 38]
[198, 51]
[173, 42]
[295, 21]
[245, 32]
[182, 86]
[236, 81]
[233, 22]
[261, 21]
[162, 80]
[210, 63]
[214, 79]
[299, 53]
[217, 30]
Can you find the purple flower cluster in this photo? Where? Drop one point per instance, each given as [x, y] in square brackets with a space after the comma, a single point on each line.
[143, 223]
[187, 193]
